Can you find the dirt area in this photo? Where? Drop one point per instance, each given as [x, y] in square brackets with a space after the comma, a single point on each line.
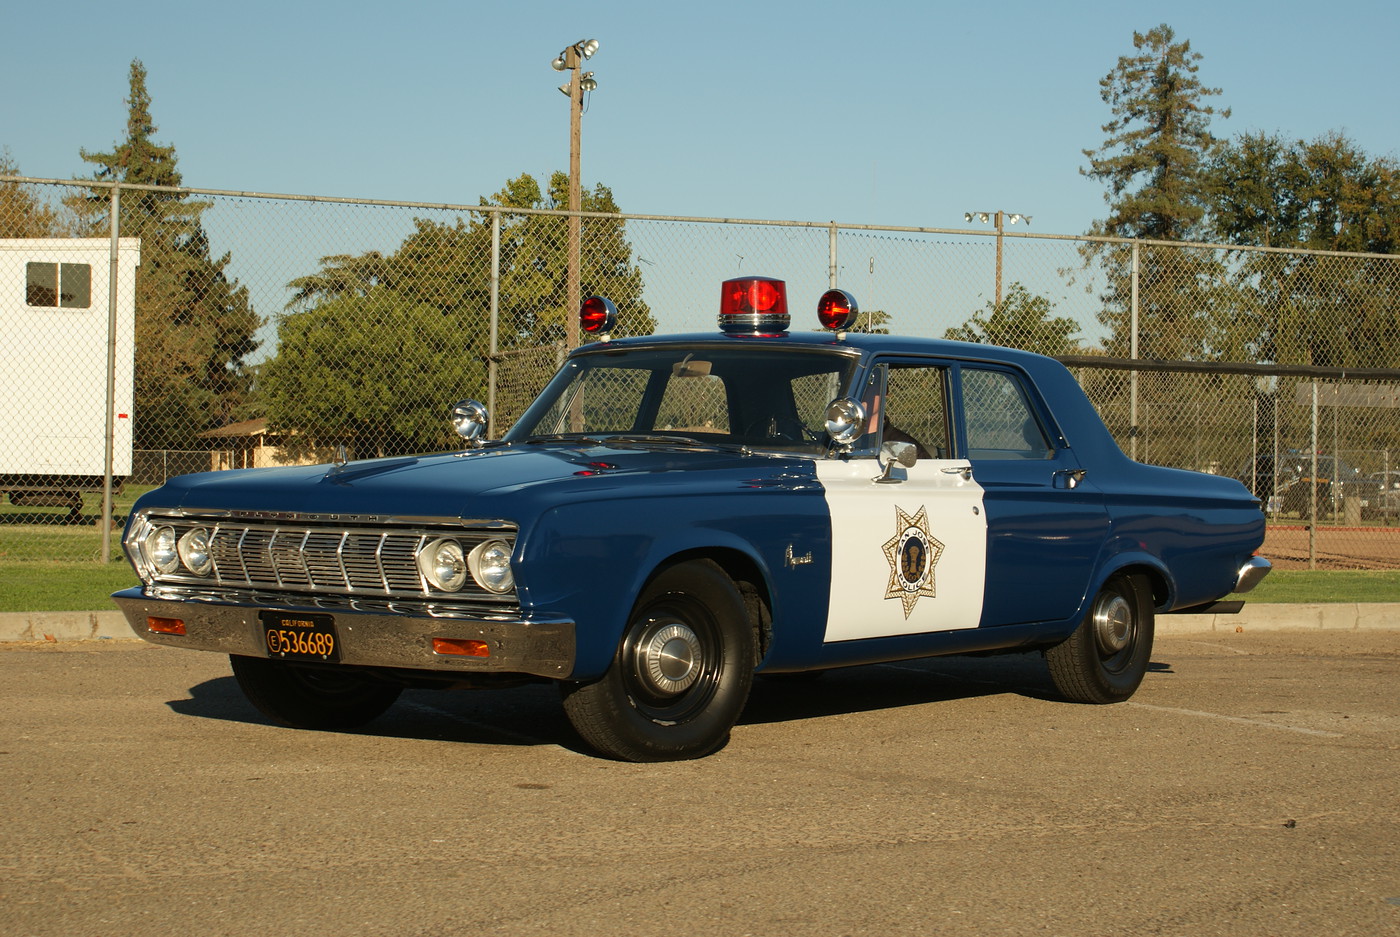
[1286, 546]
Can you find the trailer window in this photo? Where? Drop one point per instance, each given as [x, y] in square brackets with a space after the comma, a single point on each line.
[65, 285]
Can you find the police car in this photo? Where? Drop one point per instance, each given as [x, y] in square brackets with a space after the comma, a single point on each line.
[674, 514]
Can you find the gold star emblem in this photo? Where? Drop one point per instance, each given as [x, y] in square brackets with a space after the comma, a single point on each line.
[913, 552]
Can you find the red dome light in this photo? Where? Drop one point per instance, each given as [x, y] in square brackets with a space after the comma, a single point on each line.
[753, 305]
[597, 315]
[837, 310]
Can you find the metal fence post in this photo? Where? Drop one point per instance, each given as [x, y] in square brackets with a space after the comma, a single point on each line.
[1312, 486]
[495, 321]
[831, 257]
[1133, 375]
[110, 425]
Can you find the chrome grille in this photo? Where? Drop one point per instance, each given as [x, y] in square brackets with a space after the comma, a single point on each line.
[323, 559]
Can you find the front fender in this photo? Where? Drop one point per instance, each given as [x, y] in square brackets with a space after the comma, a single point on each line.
[590, 560]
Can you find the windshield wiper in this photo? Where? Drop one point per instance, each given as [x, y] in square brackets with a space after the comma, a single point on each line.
[564, 437]
[679, 442]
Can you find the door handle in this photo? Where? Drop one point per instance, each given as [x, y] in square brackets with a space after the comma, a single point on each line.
[1069, 478]
[964, 470]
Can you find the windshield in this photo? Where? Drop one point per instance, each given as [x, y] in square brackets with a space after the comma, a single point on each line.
[758, 397]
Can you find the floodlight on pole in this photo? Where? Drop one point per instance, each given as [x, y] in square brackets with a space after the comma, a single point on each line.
[571, 59]
[1000, 219]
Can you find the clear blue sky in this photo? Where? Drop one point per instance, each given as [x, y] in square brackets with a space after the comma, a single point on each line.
[881, 111]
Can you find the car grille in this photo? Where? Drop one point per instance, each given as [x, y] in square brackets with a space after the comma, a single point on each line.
[319, 559]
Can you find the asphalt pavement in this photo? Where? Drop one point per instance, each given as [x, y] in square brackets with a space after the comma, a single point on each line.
[1249, 788]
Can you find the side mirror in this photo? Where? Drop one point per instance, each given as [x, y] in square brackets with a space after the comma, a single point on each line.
[845, 420]
[470, 419]
[896, 457]
[904, 453]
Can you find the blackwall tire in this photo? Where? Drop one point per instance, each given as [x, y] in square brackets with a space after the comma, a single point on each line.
[1106, 657]
[680, 676]
[312, 697]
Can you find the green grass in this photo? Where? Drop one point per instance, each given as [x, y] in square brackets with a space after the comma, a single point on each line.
[44, 534]
[1291, 586]
[46, 586]
[42, 586]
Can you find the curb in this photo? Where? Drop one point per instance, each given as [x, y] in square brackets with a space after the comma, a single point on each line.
[1331, 616]
[64, 626]
[1338, 616]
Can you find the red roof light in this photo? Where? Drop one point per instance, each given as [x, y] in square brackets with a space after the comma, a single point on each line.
[597, 315]
[753, 305]
[837, 310]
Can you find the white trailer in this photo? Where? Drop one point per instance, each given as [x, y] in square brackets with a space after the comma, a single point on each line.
[64, 339]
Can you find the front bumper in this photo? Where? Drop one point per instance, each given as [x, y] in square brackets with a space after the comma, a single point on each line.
[366, 638]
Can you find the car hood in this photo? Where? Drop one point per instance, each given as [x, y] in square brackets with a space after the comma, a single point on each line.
[504, 482]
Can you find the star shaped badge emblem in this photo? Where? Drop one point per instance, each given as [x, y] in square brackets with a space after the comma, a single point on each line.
[912, 552]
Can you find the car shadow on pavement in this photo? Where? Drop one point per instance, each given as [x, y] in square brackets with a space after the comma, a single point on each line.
[531, 714]
[525, 715]
[895, 685]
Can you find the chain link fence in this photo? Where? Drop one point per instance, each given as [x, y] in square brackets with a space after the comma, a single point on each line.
[247, 330]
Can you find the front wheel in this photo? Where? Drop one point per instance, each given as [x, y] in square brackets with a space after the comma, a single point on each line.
[1106, 657]
[312, 697]
[680, 676]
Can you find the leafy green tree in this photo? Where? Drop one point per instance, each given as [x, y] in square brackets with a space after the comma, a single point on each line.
[535, 263]
[373, 371]
[23, 213]
[1021, 320]
[194, 324]
[443, 268]
[1152, 162]
[872, 322]
[1322, 195]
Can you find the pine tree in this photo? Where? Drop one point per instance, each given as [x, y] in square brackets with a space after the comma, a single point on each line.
[1153, 163]
[194, 324]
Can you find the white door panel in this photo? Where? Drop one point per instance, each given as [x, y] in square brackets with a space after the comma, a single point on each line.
[908, 557]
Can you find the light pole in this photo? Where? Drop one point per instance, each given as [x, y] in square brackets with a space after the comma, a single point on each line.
[570, 60]
[1000, 219]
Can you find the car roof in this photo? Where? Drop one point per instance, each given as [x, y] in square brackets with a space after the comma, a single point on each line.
[851, 342]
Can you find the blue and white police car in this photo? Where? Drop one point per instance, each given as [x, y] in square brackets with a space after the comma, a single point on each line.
[674, 514]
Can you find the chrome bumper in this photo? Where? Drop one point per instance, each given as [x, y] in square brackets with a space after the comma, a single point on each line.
[1252, 573]
[367, 639]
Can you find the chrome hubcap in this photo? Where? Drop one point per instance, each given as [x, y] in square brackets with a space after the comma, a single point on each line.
[1113, 624]
[671, 659]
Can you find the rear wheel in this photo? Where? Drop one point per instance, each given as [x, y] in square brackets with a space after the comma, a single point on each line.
[1106, 657]
[312, 697]
[680, 676]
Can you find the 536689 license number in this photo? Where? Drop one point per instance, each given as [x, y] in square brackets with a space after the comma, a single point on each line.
[300, 637]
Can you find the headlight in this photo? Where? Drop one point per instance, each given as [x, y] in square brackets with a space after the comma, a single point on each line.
[194, 552]
[443, 564]
[162, 551]
[490, 565]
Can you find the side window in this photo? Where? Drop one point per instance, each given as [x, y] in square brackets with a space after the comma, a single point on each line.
[64, 285]
[915, 410]
[1000, 421]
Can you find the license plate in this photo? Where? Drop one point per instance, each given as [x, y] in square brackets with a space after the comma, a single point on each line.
[292, 636]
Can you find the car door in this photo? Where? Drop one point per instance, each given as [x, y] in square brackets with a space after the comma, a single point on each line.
[1045, 512]
[908, 547]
